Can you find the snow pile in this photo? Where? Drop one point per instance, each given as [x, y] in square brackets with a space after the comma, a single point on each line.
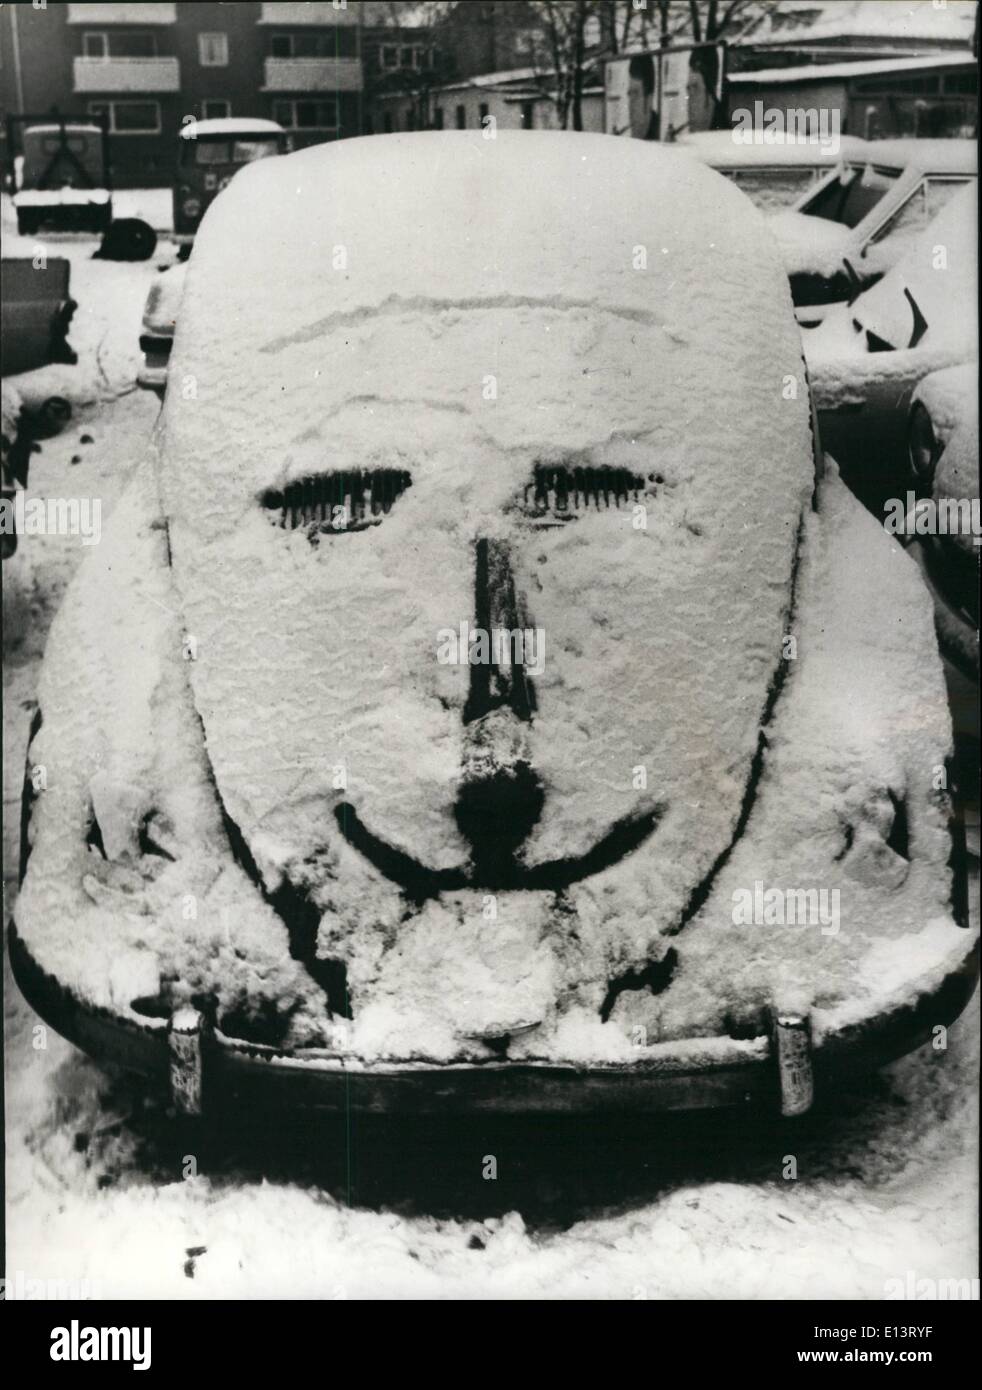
[315, 672]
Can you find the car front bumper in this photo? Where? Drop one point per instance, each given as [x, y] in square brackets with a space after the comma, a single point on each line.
[207, 1073]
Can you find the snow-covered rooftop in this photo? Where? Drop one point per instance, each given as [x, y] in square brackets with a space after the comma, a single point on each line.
[902, 21]
[825, 72]
[719, 149]
[230, 125]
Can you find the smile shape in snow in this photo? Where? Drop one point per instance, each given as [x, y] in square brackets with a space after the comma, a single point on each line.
[500, 797]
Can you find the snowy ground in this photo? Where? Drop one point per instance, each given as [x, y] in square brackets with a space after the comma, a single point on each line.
[99, 1185]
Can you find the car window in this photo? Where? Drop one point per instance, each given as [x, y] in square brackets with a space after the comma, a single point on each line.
[923, 205]
[211, 152]
[852, 194]
[246, 151]
[772, 188]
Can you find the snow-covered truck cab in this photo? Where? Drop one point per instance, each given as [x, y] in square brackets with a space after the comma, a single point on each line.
[471, 706]
[210, 153]
[62, 176]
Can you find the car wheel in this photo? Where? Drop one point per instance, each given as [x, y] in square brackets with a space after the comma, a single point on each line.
[923, 449]
[128, 239]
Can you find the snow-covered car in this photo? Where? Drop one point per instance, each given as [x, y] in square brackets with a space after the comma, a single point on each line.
[864, 216]
[942, 523]
[777, 174]
[472, 677]
[866, 358]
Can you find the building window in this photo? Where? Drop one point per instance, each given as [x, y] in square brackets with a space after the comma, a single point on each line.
[406, 58]
[482, 112]
[410, 119]
[216, 109]
[438, 118]
[129, 117]
[324, 43]
[390, 56]
[126, 44]
[213, 50]
[461, 115]
[300, 114]
[528, 108]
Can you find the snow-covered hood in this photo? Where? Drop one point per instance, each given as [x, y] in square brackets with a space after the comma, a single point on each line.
[440, 320]
[809, 245]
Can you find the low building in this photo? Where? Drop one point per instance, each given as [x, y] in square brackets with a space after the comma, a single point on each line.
[520, 99]
[935, 95]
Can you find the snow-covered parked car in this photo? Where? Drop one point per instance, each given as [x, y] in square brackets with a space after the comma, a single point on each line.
[477, 656]
[864, 216]
[866, 358]
[942, 525]
[777, 174]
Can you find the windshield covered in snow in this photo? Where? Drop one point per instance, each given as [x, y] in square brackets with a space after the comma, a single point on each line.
[212, 152]
[852, 194]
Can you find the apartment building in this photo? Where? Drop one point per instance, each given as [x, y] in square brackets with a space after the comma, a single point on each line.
[148, 67]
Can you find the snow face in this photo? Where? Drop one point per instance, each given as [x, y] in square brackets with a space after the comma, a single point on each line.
[662, 642]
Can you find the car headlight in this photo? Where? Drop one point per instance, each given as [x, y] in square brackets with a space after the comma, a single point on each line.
[191, 207]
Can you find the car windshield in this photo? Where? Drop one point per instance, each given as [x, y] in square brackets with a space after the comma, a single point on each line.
[771, 189]
[852, 194]
[233, 151]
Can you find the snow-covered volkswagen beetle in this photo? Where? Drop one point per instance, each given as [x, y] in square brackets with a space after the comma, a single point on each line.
[484, 698]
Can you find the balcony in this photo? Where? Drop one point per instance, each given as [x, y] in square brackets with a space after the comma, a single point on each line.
[127, 75]
[288, 15]
[95, 15]
[313, 75]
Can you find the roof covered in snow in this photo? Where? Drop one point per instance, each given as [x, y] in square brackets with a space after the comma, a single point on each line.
[721, 151]
[229, 126]
[953, 156]
[868, 67]
[795, 22]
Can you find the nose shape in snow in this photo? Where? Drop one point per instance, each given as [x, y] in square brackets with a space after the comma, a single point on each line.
[500, 797]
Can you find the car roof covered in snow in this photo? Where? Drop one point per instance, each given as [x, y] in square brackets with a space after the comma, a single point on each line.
[70, 128]
[720, 150]
[230, 125]
[952, 156]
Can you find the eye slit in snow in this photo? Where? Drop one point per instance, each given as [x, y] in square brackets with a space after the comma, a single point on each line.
[560, 493]
[899, 837]
[337, 502]
[94, 836]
